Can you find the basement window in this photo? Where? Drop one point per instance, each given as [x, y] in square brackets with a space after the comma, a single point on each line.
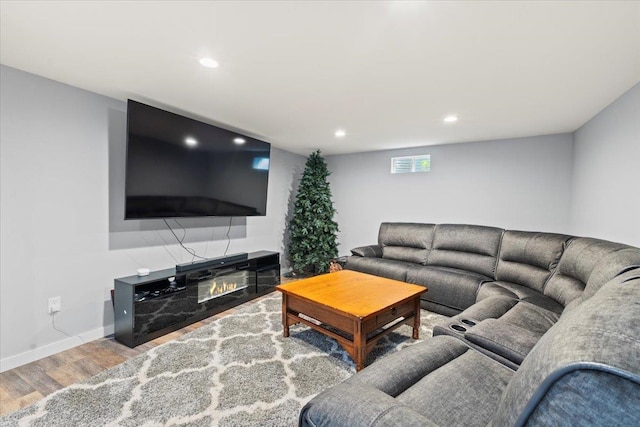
[411, 164]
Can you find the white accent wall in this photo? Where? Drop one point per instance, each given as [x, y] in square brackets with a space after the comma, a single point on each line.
[61, 208]
[518, 184]
[606, 173]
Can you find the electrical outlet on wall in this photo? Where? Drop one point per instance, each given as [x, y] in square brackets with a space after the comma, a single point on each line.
[55, 304]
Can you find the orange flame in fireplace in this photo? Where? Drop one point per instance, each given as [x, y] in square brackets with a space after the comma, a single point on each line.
[220, 288]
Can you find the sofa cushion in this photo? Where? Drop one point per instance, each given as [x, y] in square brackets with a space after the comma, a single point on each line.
[406, 241]
[472, 380]
[440, 379]
[528, 258]
[372, 407]
[519, 313]
[519, 292]
[611, 267]
[617, 266]
[530, 317]
[504, 339]
[466, 247]
[388, 268]
[450, 287]
[585, 369]
[400, 253]
[400, 372]
[575, 267]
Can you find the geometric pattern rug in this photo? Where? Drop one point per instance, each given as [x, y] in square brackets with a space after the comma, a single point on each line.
[235, 371]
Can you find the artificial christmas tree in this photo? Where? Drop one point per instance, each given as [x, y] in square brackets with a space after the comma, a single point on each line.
[312, 229]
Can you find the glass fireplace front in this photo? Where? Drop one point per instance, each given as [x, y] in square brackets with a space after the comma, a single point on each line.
[223, 283]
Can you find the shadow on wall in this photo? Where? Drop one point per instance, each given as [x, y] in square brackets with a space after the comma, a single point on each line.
[144, 233]
[108, 315]
[286, 235]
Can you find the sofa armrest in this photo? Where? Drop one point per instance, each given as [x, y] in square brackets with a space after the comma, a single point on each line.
[374, 251]
[358, 406]
[504, 339]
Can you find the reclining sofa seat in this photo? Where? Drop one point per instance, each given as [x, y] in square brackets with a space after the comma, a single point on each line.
[462, 257]
[451, 259]
[525, 264]
[584, 371]
[509, 325]
[400, 246]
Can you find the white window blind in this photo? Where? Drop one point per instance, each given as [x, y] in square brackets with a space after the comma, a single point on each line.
[410, 164]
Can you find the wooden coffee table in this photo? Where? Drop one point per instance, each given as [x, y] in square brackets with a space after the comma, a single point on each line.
[356, 309]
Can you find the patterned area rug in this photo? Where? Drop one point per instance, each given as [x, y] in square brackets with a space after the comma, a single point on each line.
[236, 371]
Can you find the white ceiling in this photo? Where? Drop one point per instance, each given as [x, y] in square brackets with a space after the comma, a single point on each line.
[388, 72]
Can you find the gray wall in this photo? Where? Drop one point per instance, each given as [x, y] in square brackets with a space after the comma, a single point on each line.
[520, 184]
[62, 188]
[61, 206]
[606, 173]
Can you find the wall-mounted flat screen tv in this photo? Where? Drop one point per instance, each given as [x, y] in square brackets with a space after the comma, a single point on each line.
[181, 167]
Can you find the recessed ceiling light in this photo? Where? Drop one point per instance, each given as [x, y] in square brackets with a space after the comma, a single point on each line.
[209, 63]
[340, 133]
[239, 141]
[450, 119]
[191, 141]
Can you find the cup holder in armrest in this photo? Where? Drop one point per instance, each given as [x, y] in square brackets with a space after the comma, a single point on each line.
[458, 328]
[468, 322]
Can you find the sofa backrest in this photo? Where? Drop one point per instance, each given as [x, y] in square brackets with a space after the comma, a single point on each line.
[528, 258]
[577, 263]
[606, 269]
[586, 369]
[406, 241]
[467, 247]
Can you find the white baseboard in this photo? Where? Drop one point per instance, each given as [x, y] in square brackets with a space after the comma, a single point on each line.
[53, 348]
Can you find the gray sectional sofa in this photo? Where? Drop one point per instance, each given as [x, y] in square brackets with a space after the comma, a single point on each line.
[544, 330]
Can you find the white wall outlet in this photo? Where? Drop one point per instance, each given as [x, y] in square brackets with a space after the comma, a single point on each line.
[55, 304]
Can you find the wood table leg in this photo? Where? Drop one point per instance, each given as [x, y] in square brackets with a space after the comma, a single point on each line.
[416, 320]
[360, 345]
[285, 317]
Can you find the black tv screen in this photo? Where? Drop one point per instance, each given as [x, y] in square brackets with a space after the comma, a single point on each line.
[181, 167]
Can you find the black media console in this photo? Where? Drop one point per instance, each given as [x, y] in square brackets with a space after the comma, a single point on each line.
[164, 301]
